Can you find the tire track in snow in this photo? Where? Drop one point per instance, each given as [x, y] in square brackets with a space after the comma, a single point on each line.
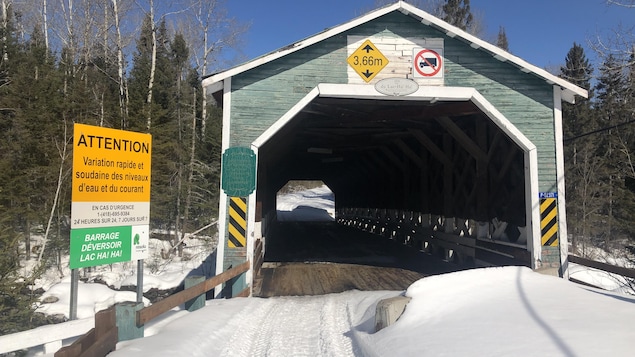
[294, 326]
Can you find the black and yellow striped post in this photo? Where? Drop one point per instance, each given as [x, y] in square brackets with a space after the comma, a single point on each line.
[549, 222]
[237, 237]
[238, 181]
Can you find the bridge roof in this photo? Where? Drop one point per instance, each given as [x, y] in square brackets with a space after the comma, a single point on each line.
[570, 90]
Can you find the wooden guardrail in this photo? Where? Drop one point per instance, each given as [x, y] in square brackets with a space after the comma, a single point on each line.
[126, 318]
[148, 313]
[625, 272]
[99, 341]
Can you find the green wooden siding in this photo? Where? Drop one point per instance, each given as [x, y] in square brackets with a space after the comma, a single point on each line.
[262, 95]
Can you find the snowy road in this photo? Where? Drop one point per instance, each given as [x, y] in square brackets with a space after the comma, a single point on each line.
[327, 325]
[489, 312]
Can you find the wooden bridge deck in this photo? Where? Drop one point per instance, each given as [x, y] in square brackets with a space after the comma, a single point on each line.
[321, 258]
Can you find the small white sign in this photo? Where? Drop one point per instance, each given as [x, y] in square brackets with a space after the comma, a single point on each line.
[396, 86]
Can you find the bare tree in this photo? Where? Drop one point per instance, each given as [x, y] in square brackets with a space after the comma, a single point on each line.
[64, 155]
[45, 26]
[153, 65]
[123, 101]
[624, 3]
[213, 32]
[4, 22]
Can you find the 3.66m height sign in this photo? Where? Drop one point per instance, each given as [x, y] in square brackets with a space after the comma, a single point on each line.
[367, 61]
[110, 213]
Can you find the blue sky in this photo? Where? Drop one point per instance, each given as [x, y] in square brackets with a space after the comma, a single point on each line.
[539, 31]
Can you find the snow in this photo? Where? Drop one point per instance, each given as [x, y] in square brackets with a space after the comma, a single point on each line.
[505, 311]
[508, 311]
[315, 205]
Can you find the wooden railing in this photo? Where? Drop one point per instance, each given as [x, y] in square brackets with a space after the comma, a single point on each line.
[151, 312]
[99, 341]
[625, 272]
[448, 238]
[104, 329]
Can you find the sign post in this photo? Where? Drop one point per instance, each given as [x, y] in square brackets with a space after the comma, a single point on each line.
[110, 212]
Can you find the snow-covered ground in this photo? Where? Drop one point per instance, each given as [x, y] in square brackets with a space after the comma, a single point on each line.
[315, 205]
[508, 311]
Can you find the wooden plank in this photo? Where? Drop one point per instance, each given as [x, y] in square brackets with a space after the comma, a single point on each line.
[629, 273]
[510, 255]
[574, 280]
[105, 344]
[77, 347]
[105, 320]
[148, 313]
[69, 351]
[297, 279]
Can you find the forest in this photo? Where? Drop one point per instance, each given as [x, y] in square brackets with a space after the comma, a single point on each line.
[138, 65]
[116, 63]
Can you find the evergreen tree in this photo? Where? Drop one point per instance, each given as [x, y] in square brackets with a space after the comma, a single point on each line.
[139, 76]
[581, 163]
[501, 40]
[457, 13]
[16, 300]
[611, 111]
[23, 167]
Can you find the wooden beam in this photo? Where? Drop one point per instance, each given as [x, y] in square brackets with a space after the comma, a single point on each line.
[393, 158]
[431, 146]
[448, 173]
[509, 159]
[463, 139]
[405, 149]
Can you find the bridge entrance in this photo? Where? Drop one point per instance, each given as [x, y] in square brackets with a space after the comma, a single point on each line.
[426, 135]
[387, 161]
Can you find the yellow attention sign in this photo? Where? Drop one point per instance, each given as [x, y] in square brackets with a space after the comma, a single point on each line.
[367, 61]
[110, 165]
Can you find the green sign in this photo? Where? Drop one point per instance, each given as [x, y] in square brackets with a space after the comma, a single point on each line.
[106, 245]
[239, 172]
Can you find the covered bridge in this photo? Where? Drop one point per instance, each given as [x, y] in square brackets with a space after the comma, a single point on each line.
[409, 121]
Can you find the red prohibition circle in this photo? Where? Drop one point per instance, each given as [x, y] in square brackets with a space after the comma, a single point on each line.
[435, 69]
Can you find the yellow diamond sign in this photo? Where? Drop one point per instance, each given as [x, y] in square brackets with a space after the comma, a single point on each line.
[367, 61]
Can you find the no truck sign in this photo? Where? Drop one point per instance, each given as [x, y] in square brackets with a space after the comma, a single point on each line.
[428, 62]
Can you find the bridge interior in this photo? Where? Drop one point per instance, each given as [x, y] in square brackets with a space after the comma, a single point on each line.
[442, 158]
[433, 158]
